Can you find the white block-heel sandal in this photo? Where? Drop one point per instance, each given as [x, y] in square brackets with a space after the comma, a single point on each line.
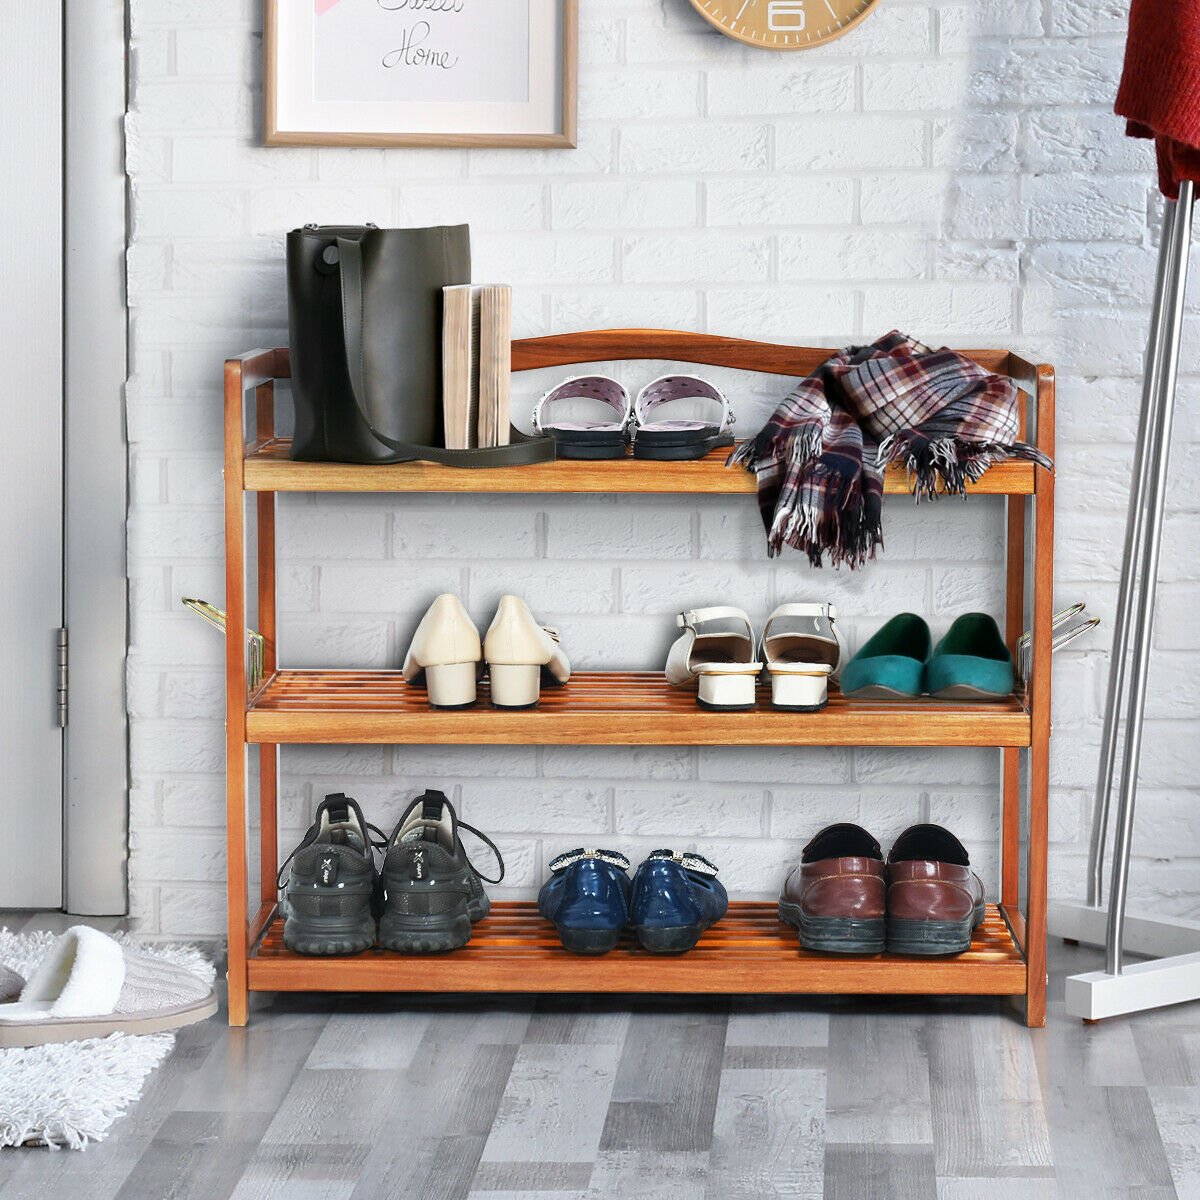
[679, 440]
[716, 650]
[803, 650]
[521, 656]
[580, 438]
[445, 654]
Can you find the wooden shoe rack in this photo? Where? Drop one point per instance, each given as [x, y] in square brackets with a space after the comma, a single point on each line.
[512, 950]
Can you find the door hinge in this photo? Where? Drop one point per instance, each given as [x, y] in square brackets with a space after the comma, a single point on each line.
[62, 678]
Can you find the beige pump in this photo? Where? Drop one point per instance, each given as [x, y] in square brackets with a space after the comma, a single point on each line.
[521, 654]
[446, 652]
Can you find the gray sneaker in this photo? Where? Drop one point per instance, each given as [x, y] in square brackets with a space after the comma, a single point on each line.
[432, 894]
[332, 885]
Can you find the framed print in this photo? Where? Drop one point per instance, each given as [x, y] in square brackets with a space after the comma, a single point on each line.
[420, 72]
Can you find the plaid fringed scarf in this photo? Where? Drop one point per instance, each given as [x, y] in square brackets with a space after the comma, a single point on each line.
[821, 458]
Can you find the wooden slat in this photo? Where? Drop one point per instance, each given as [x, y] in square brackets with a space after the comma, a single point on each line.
[269, 468]
[704, 349]
[616, 708]
[262, 919]
[1016, 922]
[749, 952]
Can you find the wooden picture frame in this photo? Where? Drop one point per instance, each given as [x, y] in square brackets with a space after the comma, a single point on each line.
[289, 32]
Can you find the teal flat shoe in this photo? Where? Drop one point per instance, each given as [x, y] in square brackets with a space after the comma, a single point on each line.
[891, 665]
[971, 662]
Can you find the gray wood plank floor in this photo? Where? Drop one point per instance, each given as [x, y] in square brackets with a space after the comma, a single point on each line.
[507, 1098]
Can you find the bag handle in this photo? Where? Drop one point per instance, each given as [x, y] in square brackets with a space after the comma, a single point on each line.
[523, 450]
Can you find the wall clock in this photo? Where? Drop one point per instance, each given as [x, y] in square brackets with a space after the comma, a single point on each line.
[785, 24]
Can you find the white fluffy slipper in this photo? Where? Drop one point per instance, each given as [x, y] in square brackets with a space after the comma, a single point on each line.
[10, 985]
[89, 986]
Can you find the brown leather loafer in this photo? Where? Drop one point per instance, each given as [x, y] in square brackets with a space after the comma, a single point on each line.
[934, 899]
[835, 898]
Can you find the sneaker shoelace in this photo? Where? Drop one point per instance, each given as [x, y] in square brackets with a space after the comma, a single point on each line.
[487, 841]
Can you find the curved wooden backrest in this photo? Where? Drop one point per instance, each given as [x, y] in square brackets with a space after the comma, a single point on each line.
[673, 345]
[606, 345]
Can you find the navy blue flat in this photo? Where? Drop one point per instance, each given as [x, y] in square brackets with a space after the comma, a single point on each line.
[676, 897]
[587, 898]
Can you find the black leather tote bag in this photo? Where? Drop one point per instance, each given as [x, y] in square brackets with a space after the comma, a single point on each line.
[365, 320]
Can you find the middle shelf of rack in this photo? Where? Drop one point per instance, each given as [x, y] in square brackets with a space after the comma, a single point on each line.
[606, 708]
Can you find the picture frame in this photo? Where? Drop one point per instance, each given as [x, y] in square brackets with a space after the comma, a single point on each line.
[457, 73]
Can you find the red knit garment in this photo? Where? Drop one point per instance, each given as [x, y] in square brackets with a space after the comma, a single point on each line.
[1160, 86]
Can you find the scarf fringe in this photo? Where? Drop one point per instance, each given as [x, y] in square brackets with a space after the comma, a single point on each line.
[833, 520]
[946, 465]
[801, 447]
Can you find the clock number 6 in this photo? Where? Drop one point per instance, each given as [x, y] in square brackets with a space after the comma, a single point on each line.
[785, 16]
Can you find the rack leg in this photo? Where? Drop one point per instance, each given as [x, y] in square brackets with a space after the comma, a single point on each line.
[268, 822]
[1010, 835]
[237, 974]
[1010, 832]
[1039, 697]
[268, 756]
[1035, 920]
[235, 696]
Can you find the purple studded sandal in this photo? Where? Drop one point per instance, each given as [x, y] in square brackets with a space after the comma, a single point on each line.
[587, 439]
[679, 439]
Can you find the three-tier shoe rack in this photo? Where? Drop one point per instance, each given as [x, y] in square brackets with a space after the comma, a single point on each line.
[513, 950]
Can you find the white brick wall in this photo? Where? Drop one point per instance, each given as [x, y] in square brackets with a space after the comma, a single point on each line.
[952, 169]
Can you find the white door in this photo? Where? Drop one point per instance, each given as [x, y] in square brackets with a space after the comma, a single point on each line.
[31, 453]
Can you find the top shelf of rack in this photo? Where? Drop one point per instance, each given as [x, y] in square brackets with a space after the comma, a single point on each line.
[267, 465]
[269, 468]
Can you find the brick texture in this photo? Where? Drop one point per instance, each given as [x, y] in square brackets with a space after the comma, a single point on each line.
[952, 169]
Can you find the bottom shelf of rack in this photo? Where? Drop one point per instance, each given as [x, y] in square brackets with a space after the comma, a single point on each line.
[750, 952]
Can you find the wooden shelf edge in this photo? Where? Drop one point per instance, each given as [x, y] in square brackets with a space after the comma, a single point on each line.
[520, 958]
[604, 708]
[268, 468]
[700, 978]
[317, 729]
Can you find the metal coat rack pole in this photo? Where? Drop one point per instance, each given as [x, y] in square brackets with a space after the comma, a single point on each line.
[1175, 976]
